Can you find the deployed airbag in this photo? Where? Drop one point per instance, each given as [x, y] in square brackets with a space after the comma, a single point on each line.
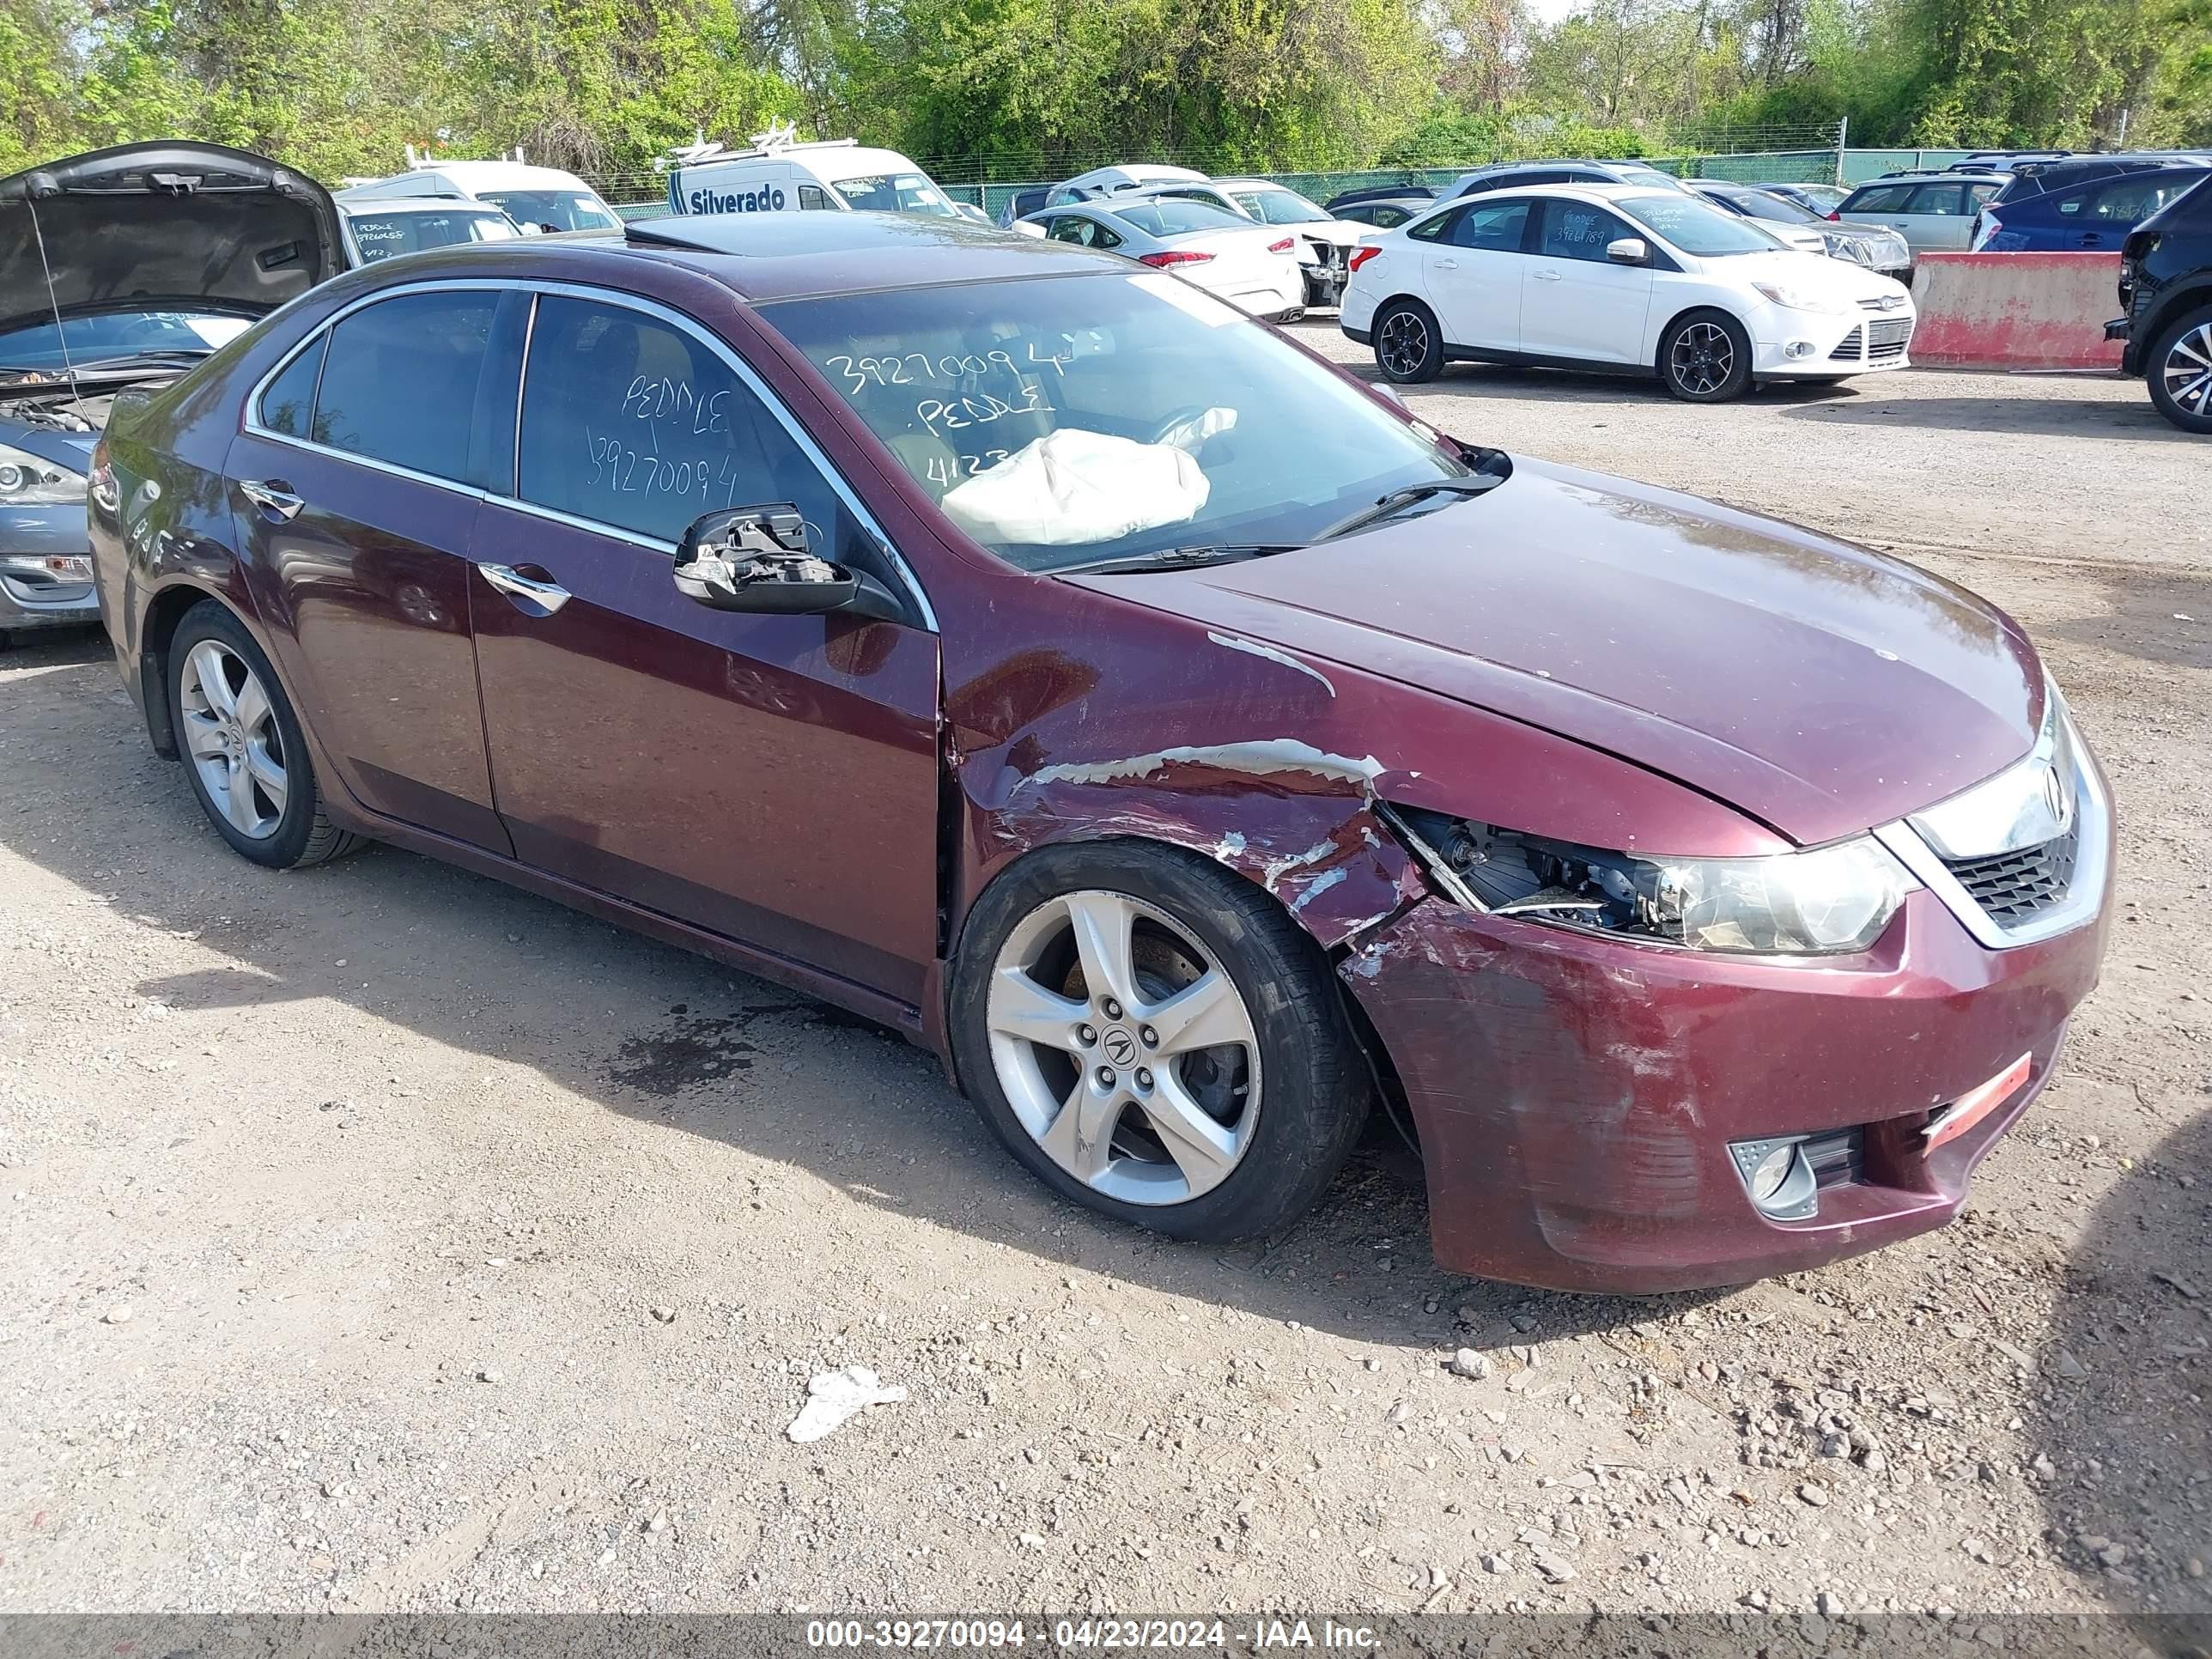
[1073, 487]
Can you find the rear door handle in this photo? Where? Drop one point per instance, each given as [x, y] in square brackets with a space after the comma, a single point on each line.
[547, 597]
[1545, 276]
[273, 496]
[1447, 264]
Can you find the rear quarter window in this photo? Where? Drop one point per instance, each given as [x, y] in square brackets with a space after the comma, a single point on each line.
[1878, 199]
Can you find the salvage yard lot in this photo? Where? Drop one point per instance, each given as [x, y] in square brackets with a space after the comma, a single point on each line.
[378, 1236]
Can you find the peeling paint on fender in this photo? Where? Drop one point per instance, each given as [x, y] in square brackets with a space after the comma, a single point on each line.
[1254, 648]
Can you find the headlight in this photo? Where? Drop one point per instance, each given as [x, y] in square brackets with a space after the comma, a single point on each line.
[1827, 902]
[1792, 298]
[28, 480]
[1843, 247]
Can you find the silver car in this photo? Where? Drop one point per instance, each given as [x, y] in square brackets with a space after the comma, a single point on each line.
[1933, 212]
[1874, 247]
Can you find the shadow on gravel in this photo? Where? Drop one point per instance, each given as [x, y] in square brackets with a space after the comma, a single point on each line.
[669, 1038]
[2155, 617]
[2120, 1392]
[2126, 413]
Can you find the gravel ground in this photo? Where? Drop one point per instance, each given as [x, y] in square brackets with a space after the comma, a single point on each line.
[381, 1238]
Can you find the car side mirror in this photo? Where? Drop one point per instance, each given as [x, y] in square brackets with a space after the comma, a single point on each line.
[1629, 250]
[757, 559]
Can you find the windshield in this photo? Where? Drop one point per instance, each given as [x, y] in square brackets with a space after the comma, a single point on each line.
[897, 192]
[117, 334]
[1058, 420]
[554, 209]
[1279, 206]
[1173, 216]
[1694, 226]
[384, 235]
[1764, 204]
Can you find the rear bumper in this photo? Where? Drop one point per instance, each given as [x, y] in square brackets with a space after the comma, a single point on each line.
[1578, 1099]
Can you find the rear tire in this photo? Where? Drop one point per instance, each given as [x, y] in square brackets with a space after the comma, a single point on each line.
[2179, 371]
[1409, 347]
[242, 748]
[1219, 1114]
[1705, 358]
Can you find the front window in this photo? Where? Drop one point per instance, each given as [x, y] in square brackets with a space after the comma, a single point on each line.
[386, 235]
[1056, 420]
[553, 209]
[40, 346]
[1697, 229]
[897, 192]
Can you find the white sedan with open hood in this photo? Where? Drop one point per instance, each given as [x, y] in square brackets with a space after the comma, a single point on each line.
[1254, 267]
[1620, 277]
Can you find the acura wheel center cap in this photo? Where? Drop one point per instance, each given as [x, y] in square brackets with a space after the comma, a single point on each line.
[1120, 1047]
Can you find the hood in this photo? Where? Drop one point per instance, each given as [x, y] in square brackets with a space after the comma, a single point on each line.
[177, 221]
[1345, 233]
[1839, 281]
[1816, 686]
[62, 429]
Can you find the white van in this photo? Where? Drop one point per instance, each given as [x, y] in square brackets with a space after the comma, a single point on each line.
[831, 174]
[546, 198]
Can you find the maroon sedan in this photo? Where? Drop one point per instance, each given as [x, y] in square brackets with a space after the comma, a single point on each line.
[1023, 650]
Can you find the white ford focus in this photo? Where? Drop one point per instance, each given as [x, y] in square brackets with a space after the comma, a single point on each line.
[1617, 276]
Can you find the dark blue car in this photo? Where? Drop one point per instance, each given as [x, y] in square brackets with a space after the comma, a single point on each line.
[117, 269]
[2091, 216]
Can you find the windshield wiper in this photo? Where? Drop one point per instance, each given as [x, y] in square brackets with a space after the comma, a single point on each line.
[1389, 506]
[1181, 558]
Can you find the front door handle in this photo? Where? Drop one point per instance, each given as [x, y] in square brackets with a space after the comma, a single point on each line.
[1547, 276]
[1447, 264]
[548, 597]
[273, 496]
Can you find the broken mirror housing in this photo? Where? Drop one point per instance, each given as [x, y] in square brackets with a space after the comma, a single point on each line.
[1827, 901]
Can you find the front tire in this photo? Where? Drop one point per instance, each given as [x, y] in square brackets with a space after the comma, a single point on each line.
[1156, 1039]
[1705, 358]
[1409, 347]
[2179, 371]
[242, 747]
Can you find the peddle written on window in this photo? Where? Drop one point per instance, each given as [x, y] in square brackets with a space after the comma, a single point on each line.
[966, 399]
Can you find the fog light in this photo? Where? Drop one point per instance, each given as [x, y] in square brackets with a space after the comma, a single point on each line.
[1779, 1178]
[1798, 349]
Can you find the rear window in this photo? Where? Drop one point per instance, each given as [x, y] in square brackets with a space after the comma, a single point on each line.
[386, 235]
[1941, 201]
[399, 381]
[1176, 218]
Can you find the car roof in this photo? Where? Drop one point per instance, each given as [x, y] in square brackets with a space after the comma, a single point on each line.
[352, 206]
[477, 174]
[765, 256]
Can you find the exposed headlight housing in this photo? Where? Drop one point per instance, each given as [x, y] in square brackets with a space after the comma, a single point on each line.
[28, 480]
[1827, 901]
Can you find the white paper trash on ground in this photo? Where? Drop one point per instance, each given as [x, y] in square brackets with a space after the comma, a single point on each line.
[1076, 487]
[834, 1396]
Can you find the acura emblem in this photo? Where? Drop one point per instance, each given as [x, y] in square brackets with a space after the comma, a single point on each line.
[2054, 795]
[1120, 1046]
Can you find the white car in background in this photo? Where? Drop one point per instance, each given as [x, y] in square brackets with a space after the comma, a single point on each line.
[1112, 181]
[1618, 277]
[1252, 266]
[546, 197]
[383, 227]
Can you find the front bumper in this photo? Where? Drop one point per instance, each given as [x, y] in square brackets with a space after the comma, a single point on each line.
[34, 599]
[1820, 345]
[1578, 1096]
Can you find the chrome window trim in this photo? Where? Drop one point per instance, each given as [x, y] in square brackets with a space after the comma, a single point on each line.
[2093, 853]
[654, 309]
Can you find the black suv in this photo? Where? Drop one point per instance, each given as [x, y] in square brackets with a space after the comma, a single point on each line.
[2165, 289]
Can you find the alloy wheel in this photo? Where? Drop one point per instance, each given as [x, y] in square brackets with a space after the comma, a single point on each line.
[1124, 1048]
[1702, 359]
[2187, 371]
[1403, 345]
[232, 735]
